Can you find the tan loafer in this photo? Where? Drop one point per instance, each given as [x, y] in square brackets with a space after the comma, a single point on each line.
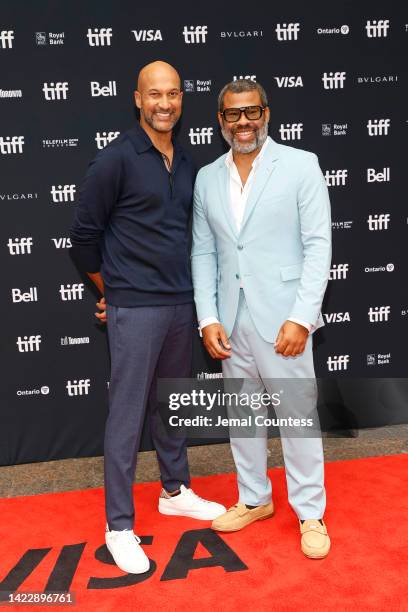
[315, 542]
[239, 516]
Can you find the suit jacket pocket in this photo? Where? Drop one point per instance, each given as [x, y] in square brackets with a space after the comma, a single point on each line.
[291, 272]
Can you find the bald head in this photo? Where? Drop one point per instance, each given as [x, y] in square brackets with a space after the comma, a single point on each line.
[157, 74]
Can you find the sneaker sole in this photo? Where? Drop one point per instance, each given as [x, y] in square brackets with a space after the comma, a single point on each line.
[126, 570]
[230, 530]
[173, 512]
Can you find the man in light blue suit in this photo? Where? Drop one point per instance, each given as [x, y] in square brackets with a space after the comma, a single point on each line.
[260, 261]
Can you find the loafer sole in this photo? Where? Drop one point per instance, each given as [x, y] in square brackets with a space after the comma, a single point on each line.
[232, 529]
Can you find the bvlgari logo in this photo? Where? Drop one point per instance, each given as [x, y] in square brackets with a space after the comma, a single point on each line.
[4, 197]
[379, 79]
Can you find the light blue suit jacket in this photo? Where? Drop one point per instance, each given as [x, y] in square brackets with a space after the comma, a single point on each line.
[282, 253]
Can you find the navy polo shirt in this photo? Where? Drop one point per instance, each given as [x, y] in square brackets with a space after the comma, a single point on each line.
[132, 222]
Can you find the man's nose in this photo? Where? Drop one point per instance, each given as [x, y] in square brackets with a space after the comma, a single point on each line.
[164, 103]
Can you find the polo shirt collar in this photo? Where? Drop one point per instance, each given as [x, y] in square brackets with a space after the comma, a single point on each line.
[142, 141]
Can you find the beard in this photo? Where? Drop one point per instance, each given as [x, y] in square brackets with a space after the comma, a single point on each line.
[261, 135]
[157, 125]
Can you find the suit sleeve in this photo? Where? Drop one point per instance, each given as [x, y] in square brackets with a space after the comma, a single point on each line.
[315, 228]
[203, 259]
[97, 197]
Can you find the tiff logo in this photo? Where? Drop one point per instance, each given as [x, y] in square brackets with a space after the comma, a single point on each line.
[333, 80]
[99, 37]
[56, 91]
[377, 29]
[29, 296]
[287, 31]
[20, 246]
[338, 362]
[335, 178]
[195, 34]
[378, 222]
[247, 77]
[62, 243]
[63, 193]
[339, 271]
[378, 127]
[78, 387]
[11, 144]
[71, 292]
[6, 39]
[104, 138]
[106, 90]
[379, 177]
[377, 314]
[28, 344]
[291, 131]
[201, 135]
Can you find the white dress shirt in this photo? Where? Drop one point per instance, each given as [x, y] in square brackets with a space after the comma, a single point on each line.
[238, 198]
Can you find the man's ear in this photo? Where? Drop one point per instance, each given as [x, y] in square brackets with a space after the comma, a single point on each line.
[267, 113]
[138, 99]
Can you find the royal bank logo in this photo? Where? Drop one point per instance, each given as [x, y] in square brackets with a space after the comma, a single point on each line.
[334, 129]
[390, 267]
[63, 193]
[342, 225]
[10, 93]
[198, 85]
[70, 341]
[289, 81]
[11, 145]
[200, 136]
[20, 246]
[242, 34]
[378, 127]
[72, 292]
[55, 91]
[28, 344]
[6, 39]
[379, 314]
[382, 176]
[43, 39]
[60, 143]
[333, 80]
[291, 131]
[377, 28]
[147, 35]
[339, 271]
[78, 387]
[336, 363]
[99, 37]
[287, 31]
[98, 90]
[378, 222]
[336, 178]
[378, 79]
[104, 138]
[62, 243]
[337, 317]
[18, 296]
[194, 35]
[342, 30]
[378, 359]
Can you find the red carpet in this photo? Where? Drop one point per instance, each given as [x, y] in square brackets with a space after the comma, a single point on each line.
[196, 569]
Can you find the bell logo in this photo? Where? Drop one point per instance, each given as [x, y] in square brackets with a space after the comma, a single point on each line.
[338, 362]
[378, 314]
[78, 387]
[55, 91]
[339, 271]
[29, 296]
[20, 246]
[380, 177]
[147, 35]
[377, 29]
[71, 292]
[28, 344]
[63, 193]
[195, 34]
[289, 81]
[11, 144]
[291, 131]
[287, 31]
[6, 39]
[106, 90]
[200, 135]
[335, 178]
[333, 80]
[378, 222]
[378, 127]
[99, 37]
[104, 138]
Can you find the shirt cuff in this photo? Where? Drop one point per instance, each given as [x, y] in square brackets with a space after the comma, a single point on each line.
[303, 323]
[204, 322]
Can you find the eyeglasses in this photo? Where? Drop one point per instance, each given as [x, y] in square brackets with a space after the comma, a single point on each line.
[253, 113]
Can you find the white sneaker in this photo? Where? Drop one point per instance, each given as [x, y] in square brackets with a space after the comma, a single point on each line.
[187, 503]
[129, 556]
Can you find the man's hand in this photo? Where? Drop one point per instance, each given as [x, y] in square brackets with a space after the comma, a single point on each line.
[102, 307]
[291, 339]
[216, 341]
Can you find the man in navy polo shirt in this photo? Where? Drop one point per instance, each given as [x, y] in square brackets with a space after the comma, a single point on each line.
[130, 235]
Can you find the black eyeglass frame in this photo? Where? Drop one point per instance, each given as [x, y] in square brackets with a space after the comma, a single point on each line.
[243, 109]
